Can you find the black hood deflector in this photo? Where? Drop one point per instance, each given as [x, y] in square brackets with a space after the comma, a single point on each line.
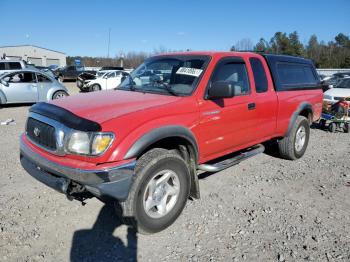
[65, 117]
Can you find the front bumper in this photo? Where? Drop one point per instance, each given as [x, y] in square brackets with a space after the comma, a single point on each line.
[83, 85]
[108, 183]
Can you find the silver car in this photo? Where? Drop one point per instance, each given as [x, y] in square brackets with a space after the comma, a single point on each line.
[29, 86]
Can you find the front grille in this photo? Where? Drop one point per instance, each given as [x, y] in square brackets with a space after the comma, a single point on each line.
[41, 133]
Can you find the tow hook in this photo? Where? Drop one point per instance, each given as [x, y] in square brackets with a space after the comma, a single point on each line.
[77, 192]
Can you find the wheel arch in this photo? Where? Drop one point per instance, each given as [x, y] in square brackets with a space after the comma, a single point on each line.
[51, 92]
[304, 109]
[171, 137]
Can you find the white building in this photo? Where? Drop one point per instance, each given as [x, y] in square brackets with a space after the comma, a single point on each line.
[36, 55]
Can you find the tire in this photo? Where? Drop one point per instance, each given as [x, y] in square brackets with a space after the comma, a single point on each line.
[332, 127]
[322, 124]
[154, 166]
[347, 128]
[95, 87]
[294, 145]
[59, 94]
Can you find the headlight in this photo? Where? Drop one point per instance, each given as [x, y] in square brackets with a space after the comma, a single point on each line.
[92, 144]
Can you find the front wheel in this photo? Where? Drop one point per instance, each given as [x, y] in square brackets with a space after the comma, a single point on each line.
[294, 145]
[59, 94]
[159, 192]
[95, 87]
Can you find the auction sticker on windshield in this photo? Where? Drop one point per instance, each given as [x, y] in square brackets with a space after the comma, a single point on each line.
[189, 71]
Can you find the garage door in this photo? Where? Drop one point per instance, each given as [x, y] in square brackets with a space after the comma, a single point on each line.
[36, 61]
[51, 61]
[14, 57]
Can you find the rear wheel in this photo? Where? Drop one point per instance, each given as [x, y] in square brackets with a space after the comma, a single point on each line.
[294, 145]
[346, 127]
[332, 127]
[159, 192]
[59, 94]
[95, 87]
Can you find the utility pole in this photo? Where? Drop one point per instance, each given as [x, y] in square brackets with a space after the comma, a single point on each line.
[109, 41]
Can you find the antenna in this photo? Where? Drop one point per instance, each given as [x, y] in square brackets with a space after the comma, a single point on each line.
[109, 41]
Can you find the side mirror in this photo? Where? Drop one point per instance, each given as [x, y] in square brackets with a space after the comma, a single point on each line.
[221, 89]
[4, 82]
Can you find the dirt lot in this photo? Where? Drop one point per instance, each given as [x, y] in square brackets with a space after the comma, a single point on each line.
[264, 209]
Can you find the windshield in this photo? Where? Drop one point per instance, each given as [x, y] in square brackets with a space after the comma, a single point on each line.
[170, 75]
[345, 83]
[101, 74]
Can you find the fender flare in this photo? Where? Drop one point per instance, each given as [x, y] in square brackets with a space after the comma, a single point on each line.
[301, 107]
[158, 134]
[174, 131]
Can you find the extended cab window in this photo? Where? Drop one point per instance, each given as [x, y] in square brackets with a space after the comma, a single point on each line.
[235, 73]
[259, 75]
[293, 74]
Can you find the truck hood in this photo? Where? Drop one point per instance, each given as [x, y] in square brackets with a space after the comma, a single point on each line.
[104, 105]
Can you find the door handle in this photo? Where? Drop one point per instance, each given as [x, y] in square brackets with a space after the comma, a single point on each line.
[251, 106]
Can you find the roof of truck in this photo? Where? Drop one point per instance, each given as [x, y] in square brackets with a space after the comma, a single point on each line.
[240, 53]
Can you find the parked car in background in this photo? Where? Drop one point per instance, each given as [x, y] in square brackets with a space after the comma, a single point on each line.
[103, 80]
[47, 70]
[11, 65]
[333, 80]
[53, 67]
[111, 68]
[340, 91]
[71, 72]
[29, 86]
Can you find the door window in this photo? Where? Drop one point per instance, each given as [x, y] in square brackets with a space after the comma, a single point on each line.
[25, 77]
[43, 79]
[111, 75]
[234, 73]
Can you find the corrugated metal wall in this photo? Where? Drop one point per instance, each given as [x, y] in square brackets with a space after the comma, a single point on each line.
[34, 54]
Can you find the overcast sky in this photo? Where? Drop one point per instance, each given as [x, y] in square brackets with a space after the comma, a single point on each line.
[81, 27]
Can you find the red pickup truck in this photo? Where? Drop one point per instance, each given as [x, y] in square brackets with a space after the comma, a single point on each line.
[142, 144]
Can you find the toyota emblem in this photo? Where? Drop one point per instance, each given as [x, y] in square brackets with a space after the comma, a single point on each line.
[36, 132]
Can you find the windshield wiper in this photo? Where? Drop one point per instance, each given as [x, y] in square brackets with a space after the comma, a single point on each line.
[168, 88]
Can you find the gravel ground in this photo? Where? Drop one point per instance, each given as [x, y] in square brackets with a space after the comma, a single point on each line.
[264, 209]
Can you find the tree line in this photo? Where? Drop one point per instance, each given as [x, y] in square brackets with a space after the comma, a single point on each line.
[129, 60]
[334, 54]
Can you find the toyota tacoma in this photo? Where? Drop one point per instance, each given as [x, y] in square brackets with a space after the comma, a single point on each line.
[142, 144]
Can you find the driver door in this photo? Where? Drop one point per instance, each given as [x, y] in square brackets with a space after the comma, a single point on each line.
[229, 123]
[22, 88]
[112, 80]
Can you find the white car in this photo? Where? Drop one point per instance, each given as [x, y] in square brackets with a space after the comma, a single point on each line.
[341, 90]
[104, 80]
